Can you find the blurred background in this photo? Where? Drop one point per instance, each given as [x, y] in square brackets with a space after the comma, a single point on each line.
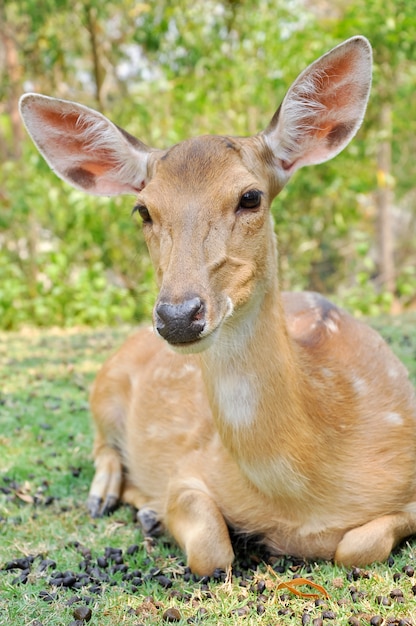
[166, 70]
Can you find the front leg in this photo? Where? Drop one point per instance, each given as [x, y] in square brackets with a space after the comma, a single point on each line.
[197, 524]
[110, 484]
[105, 490]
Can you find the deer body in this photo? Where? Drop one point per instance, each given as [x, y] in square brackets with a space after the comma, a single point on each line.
[303, 486]
[277, 414]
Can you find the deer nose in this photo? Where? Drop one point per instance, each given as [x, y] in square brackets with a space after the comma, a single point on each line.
[180, 323]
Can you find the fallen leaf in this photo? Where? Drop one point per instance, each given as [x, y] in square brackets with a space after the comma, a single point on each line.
[291, 585]
[26, 497]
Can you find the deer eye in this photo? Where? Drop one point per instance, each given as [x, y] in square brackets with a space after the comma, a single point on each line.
[251, 199]
[143, 212]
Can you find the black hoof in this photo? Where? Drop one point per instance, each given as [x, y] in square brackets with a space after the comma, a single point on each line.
[110, 505]
[94, 505]
[149, 522]
[98, 508]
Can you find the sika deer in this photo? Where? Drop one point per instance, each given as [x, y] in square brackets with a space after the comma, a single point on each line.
[275, 413]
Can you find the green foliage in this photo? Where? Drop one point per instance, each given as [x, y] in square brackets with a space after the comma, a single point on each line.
[167, 70]
[67, 259]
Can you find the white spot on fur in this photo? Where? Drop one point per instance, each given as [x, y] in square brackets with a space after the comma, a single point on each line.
[230, 308]
[410, 508]
[276, 477]
[394, 372]
[394, 419]
[237, 399]
[331, 325]
[188, 368]
[359, 385]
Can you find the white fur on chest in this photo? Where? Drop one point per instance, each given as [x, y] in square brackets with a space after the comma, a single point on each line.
[236, 398]
[236, 386]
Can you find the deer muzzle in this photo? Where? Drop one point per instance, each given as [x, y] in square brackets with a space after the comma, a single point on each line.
[180, 323]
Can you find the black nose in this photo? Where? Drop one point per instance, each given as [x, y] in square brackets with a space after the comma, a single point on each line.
[180, 323]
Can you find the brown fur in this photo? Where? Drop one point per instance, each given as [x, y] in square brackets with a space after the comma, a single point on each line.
[284, 416]
[357, 467]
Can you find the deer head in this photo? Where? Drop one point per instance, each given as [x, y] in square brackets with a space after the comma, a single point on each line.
[205, 202]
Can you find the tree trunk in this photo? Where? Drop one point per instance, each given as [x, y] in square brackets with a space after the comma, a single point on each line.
[384, 201]
[91, 21]
[13, 82]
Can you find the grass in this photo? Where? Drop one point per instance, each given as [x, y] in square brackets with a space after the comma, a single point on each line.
[45, 472]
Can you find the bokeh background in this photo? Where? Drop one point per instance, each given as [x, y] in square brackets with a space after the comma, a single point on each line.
[166, 70]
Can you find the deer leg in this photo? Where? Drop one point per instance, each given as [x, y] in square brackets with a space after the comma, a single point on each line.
[106, 486]
[375, 540]
[110, 485]
[198, 526]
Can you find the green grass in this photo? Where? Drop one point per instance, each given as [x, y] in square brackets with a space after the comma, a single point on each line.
[45, 472]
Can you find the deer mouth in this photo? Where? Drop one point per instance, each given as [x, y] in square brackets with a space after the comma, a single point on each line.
[192, 346]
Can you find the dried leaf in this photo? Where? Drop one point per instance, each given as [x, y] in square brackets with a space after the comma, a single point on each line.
[26, 497]
[296, 582]
[291, 585]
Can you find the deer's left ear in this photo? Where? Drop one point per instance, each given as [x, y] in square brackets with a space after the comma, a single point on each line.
[84, 148]
[324, 107]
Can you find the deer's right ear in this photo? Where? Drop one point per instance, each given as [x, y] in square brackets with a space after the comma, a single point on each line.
[83, 147]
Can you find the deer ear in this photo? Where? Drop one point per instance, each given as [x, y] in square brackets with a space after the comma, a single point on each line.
[324, 107]
[83, 147]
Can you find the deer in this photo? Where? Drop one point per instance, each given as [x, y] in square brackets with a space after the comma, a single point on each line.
[244, 408]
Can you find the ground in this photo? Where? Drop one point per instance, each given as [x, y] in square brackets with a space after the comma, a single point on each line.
[59, 567]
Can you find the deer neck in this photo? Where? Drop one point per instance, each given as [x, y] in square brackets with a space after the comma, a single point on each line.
[257, 392]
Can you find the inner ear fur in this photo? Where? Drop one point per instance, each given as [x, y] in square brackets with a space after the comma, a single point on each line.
[83, 147]
[324, 107]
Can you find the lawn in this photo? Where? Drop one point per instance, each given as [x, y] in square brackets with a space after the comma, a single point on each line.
[59, 567]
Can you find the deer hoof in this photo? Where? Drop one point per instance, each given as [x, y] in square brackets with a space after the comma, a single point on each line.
[151, 525]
